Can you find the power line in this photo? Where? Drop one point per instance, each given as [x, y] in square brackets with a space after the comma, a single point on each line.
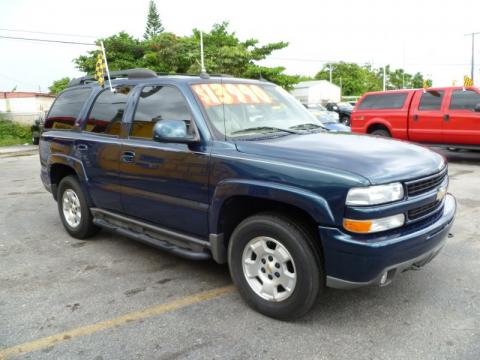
[50, 33]
[45, 40]
[358, 62]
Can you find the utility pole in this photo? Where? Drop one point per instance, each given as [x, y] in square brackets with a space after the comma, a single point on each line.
[472, 70]
[384, 78]
[330, 68]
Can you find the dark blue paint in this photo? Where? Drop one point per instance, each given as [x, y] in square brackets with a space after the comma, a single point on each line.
[360, 259]
[184, 186]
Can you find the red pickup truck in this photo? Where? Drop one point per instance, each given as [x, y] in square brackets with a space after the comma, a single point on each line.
[441, 116]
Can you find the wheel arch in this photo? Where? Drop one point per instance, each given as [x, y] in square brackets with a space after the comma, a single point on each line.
[60, 166]
[378, 124]
[235, 200]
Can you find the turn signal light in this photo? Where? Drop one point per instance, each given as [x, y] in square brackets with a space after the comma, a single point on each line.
[357, 226]
[374, 225]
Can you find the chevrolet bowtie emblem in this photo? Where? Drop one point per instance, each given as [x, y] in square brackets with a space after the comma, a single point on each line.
[442, 191]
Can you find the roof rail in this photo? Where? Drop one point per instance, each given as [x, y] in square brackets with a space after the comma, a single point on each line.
[129, 74]
[134, 74]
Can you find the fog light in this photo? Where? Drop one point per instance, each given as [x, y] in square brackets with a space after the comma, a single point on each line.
[384, 277]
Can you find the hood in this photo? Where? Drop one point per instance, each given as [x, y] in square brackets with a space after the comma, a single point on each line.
[377, 159]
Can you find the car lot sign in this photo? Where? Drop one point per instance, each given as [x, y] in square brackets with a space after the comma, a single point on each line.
[220, 94]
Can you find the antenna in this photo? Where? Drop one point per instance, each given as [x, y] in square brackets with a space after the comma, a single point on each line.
[203, 71]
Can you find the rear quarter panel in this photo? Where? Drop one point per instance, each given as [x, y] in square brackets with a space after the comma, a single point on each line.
[395, 120]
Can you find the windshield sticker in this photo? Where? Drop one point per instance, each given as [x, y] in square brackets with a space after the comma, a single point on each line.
[231, 94]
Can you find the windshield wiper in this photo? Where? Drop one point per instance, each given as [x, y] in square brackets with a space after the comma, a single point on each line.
[306, 126]
[264, 128]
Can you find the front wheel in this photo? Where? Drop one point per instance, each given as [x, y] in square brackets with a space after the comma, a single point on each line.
[275, 266]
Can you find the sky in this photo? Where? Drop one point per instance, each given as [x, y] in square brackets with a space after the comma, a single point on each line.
[421, 35]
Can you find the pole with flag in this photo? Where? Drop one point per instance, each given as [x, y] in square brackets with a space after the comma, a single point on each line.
[425, 85]
[101, 68]
[467, 81]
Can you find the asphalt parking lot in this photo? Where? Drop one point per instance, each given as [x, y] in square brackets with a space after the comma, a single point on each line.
[113, 298]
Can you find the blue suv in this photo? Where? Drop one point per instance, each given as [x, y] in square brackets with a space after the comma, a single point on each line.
[236, 170]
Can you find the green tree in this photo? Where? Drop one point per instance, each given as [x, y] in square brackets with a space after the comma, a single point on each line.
[122, 50]
[417, 81]
[59, 85]
[154, 25]
[169, 53]
[354, 79]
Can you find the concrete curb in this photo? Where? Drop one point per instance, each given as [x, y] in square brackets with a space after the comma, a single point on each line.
[21, 150]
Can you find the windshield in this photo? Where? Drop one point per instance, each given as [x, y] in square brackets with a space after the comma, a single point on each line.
[237, 109]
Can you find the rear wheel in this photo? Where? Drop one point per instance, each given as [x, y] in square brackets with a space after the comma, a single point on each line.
[381, 132]
[73, 209]
[275, 266]
[35, 140]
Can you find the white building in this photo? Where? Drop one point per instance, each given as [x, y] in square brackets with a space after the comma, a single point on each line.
[316, 92]
[24, 107]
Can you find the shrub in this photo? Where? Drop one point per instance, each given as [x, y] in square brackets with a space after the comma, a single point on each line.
[14, 134]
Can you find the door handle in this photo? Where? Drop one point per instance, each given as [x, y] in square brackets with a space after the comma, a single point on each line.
[446, 117]
[128, 156]
[82, 147]
[415, 117]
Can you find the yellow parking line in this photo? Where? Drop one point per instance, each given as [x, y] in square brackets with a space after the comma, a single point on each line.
[48, 341]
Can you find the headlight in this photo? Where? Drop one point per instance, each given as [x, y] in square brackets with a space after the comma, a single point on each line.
[375, 225]
[374, 195]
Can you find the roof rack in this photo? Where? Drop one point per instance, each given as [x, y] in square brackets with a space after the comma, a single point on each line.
[129, 74]
[134, 74]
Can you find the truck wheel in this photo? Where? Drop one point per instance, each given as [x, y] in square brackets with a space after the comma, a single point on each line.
[35, 140]
[381, 132]
[73, 209]
[275, 266]
[345, 120]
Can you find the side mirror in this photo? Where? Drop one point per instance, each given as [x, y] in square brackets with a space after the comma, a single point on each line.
[477, 107]
[172, 131]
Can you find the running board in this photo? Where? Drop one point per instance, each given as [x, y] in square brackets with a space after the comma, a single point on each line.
[179, 244]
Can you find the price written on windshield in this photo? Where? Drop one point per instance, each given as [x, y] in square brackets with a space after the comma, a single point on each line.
[227, 94]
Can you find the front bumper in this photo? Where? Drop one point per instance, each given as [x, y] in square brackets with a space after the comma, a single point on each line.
[351, 262]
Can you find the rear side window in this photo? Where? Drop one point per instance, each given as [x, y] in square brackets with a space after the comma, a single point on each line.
[107, 112]
[464, 100]
[66, 109]
[431, 100]
[157, 103]
[383, 101]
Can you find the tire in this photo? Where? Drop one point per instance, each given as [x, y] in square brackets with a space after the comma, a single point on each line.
[80, 227]
[295, 298]
[381, 133]
[345, 120]
[35, 140]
